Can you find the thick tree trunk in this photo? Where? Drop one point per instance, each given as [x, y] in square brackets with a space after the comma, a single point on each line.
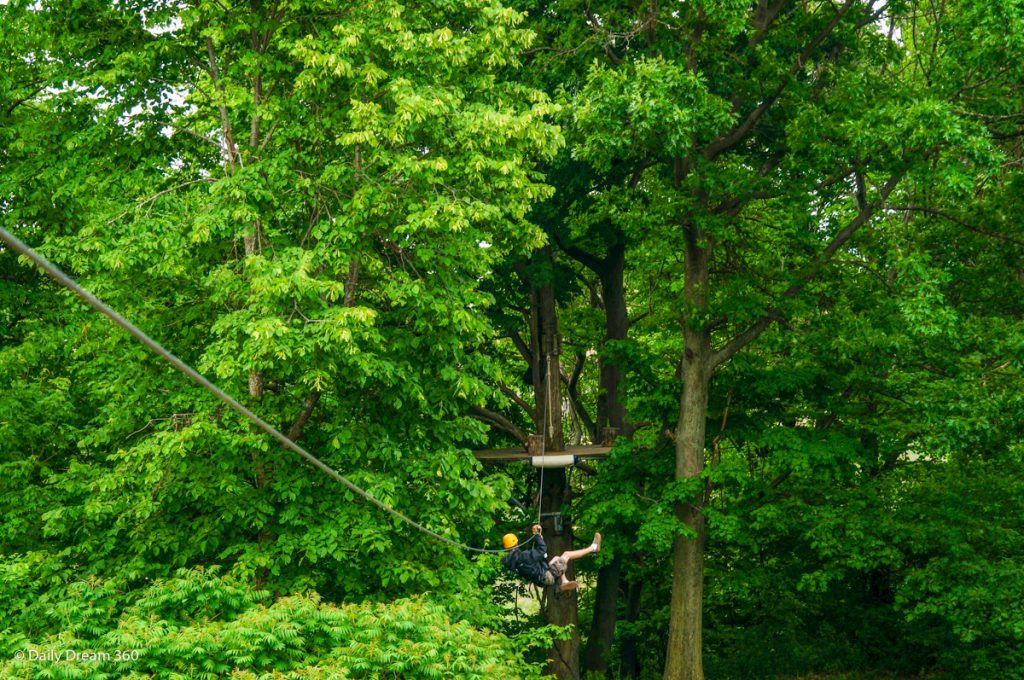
[629, 660]
[546, 345]
[599, 643]
[611, 413]
[683, 659]
[610, 409]
[562, 608]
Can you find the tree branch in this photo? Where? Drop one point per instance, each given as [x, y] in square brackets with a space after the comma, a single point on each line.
[729, 140]
[595, 26]
[638, 171]
[351, 282]
[572, 389]
[774, 484]
[765, 320]
[521, 345]
[18, 102]
[295, 431]
[744, 338]
[732, 206]
[764, 17]
[587, 259]
[698, 31]
[970, 227]
[637, 318]
[150, 200]
[499, 421]
[229, 149]
[511, 394]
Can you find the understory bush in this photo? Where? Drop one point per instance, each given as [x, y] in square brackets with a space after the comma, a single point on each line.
[201, 624]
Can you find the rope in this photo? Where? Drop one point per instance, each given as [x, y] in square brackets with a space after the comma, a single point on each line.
[94, 302]
[544, 447]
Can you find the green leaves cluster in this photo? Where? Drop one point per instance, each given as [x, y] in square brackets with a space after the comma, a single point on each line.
[332, 209]
[302, 202]
[201, 624]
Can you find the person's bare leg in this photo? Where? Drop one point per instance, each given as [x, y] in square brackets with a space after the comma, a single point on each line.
[583, 552]
[576, 554]
[570, 555]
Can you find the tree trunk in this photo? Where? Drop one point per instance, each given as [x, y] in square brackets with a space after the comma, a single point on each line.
[599, 643]
[548, 347]
[683, 657]
[611, 413]
[629, 660]
[562, 608]
[610, 409]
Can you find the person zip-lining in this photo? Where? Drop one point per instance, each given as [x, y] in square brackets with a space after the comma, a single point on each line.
[533, 564]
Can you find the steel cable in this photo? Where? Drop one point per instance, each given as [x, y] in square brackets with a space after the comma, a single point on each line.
[94, 302]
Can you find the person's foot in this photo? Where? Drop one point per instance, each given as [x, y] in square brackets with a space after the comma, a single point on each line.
[568, 585]
[597, 542]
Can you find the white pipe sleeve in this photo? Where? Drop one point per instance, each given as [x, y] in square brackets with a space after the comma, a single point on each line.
[553, 460]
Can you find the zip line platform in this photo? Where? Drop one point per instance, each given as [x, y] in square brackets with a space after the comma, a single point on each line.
[569, 456]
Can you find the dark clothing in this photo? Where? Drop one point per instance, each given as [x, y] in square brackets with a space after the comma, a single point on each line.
[530, 563]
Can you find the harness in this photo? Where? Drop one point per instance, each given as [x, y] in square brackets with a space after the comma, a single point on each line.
[533, 570]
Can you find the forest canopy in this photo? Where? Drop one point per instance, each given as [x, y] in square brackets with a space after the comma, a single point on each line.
[759, 264]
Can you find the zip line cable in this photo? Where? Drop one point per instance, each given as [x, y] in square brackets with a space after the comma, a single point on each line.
[94, 302]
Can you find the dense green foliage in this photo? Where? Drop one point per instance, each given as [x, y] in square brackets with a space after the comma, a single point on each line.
[197, 625]
[824, 194]
[347, 215]
[296, 201]
[326, 268]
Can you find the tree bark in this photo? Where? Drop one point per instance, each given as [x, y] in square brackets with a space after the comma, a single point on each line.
[602, 629]
[610, 409]
[562, 608]
[629, 660]
[683, 659]
[611, 413]
[549, 377]
[545, 348]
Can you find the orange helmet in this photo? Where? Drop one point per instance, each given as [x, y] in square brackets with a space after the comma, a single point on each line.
[509, 541]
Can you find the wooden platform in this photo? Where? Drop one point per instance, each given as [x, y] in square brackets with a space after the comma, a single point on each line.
[512, 455]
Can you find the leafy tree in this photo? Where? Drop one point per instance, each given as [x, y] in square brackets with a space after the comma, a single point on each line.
[737, 152]
[768, 260]
[295, 198]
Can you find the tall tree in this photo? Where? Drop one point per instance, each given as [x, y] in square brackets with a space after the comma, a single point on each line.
[741, 147]
[295, 198]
